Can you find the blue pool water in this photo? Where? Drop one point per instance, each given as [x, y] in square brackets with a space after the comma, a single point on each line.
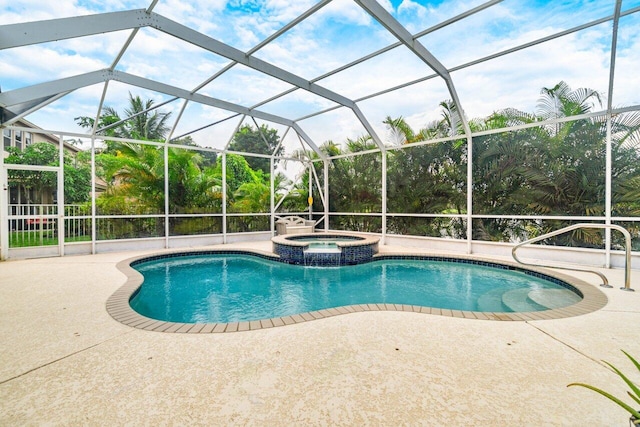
[233, 288]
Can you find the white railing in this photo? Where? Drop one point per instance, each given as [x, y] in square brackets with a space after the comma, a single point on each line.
[37, 224]
[627, 264]
[31, 210]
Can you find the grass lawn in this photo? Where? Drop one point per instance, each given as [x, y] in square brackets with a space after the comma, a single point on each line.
[23, 239]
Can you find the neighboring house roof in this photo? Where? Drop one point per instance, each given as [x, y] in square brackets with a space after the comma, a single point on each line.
[45, 137]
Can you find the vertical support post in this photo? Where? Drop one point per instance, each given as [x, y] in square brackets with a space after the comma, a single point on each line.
[93, 168]
[608, 199]
[272, 201]
[4, 209]
[166, 196]
[39, 224]
[224, 197]
[608, 167]
[93, 195]
[469, 193]
[60, 207]
[326, 195]
[384, 196]
[310, 191]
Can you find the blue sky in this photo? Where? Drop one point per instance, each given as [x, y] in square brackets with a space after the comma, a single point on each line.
[339, 33]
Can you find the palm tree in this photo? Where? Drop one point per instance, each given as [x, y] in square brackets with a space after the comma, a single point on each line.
[561, 101]
[252, 197]
[551, 170]
[137, 172]
[450, 124]
[141, 121]
[625, 174]
[399, 131]
[571, 179]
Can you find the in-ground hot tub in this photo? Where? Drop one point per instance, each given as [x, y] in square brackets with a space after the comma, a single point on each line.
[325, 249]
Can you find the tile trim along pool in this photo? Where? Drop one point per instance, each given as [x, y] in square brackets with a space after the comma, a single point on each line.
[118, 303]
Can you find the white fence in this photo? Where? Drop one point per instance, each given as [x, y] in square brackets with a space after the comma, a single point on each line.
[37, 224]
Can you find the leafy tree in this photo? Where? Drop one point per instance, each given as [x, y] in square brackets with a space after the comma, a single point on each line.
[449, 125]
[238, 172]
[192, 187]
[77, 178]
[43, 154]
[354, 184]
[208, 157]
[135, 172]
[263, 140]
[553, 169]
[77, 172]
[252, 197]
[399, 131]
[298, 192]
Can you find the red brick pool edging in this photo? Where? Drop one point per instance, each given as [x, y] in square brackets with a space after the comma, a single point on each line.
[118, 303]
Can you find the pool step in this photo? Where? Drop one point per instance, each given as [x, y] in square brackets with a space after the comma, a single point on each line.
[518, 300]
[554, 298]
[522, 300]
[492, 301]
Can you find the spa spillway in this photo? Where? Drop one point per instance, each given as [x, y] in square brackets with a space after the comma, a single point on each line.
[325, 249]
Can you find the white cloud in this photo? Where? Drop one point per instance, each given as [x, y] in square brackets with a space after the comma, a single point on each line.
[341, 11]
[417, 104]
[244, 86]
[417, 17]
[515, 80]
[285, 11]
[297, 104]
[162, 57]
[336, 126]
[297, 54]
[37, 64]
[393, 68]
[60, 114]
[627, 83]
[411, 7]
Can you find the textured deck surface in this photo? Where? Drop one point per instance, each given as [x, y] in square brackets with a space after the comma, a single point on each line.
[64, 360]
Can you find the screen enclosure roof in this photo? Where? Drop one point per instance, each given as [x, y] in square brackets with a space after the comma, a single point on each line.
[315, 71]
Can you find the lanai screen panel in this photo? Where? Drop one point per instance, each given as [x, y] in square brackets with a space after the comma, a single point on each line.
[494, 56]
[626, 89]
[335, 35]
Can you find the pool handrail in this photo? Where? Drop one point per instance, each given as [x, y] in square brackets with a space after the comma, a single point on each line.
[627, 262]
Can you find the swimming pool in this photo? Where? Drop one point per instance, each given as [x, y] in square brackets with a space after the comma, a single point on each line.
[239, 288]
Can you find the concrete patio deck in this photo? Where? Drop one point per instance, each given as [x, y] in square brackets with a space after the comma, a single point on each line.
[65, 361]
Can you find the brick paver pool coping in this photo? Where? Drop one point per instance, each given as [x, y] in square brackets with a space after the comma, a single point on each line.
[118, 304]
